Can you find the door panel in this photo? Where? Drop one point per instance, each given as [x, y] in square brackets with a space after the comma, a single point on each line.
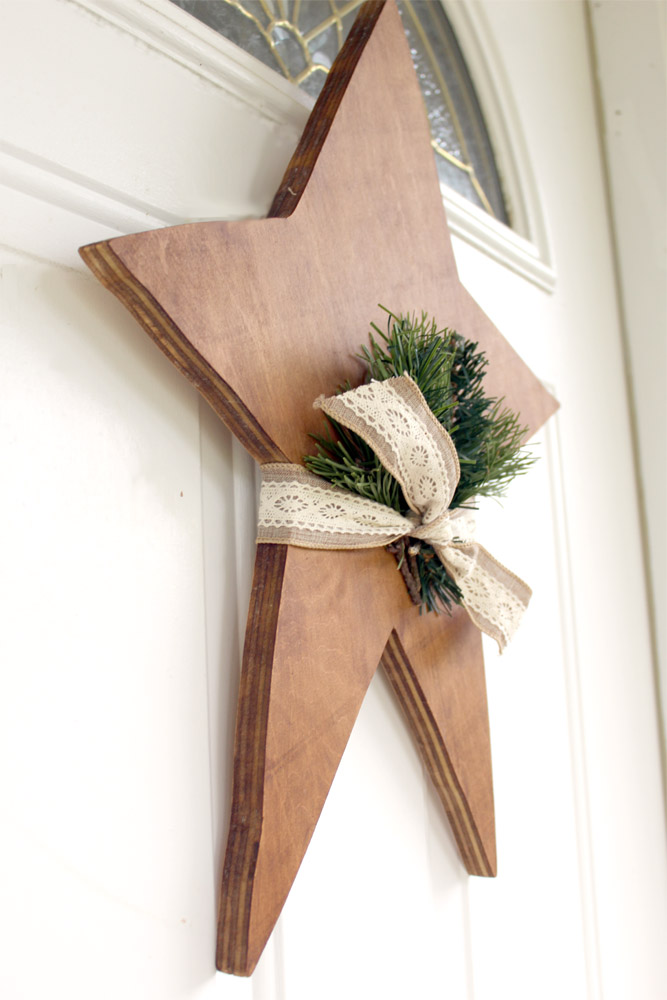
[128, 551]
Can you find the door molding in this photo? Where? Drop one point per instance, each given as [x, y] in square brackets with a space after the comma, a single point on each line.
[526, 248]
[574, 705]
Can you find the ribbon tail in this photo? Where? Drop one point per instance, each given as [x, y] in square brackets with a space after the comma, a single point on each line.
[494, 597]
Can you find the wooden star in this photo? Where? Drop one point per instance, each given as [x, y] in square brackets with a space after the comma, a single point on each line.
[263, 316]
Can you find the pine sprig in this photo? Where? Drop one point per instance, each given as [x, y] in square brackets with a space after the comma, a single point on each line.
[449, 371]
[488, 438]
[419, 349]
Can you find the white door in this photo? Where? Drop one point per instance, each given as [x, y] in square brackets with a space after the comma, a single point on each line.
[128, 550]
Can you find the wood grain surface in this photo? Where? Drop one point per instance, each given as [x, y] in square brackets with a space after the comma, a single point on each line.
[262, 316]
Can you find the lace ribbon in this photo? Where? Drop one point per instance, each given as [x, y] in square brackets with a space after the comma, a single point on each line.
[393, 418]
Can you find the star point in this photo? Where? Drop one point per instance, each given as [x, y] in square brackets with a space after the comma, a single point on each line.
[263, 316]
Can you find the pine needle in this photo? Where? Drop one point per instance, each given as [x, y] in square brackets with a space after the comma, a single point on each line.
[449, 371]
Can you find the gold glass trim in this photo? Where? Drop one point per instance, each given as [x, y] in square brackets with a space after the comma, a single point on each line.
[466, 164]
[428, 21]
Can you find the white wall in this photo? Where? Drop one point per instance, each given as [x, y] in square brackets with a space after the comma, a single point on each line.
[630, 45]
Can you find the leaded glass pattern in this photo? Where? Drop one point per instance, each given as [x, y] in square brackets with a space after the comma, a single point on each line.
[301, 38]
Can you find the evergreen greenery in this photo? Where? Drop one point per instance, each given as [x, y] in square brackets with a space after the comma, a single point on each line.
[449, 371]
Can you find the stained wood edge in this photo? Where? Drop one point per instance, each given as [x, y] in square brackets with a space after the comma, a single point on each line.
[115, 276]
[245, 825]
[433, 750]
[322, 116]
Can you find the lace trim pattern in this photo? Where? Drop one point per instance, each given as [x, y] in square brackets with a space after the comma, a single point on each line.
[494, 597]
[299, 508]
[394, 419]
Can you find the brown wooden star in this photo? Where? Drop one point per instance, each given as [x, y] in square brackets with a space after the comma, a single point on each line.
[262, 316]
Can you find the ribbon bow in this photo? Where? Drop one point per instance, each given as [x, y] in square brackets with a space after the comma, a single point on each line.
[393, 418]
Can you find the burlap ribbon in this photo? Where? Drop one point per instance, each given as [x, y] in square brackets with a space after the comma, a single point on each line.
[393, 418]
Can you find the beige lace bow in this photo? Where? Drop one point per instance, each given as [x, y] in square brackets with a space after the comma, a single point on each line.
[393, 418]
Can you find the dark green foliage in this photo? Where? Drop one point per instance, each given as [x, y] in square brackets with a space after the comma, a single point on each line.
[487, 436]
[449, 371]
[419, 350]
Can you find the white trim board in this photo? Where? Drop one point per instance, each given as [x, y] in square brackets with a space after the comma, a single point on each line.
[628, 51]
[528, 243]
[575, 708]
